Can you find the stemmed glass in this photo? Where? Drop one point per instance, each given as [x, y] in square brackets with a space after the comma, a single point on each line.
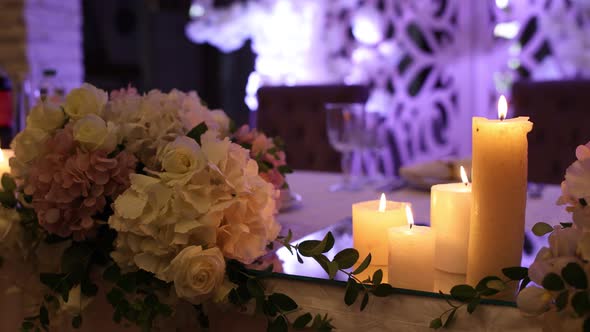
[345, 126]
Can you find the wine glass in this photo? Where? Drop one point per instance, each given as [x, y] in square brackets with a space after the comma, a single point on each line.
[345, 127]
[373, 143]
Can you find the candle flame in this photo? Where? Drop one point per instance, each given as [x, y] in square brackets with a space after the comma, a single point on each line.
[502, 107]
[409, 215]
[464, 177]
[382, 203]
[2, 158]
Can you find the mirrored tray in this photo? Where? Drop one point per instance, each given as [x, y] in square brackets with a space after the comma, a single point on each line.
[342, 232]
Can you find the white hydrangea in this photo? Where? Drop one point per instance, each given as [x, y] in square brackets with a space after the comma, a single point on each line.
[209, 196]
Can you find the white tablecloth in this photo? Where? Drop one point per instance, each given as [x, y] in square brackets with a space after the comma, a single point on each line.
[321, 208]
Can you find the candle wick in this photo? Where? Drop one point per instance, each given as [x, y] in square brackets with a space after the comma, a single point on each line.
[466, 184]
[502, 117]
[411, 226]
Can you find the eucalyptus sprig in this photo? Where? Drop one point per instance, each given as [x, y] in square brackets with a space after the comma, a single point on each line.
[466, 295]
[343, 262]
[278, 308]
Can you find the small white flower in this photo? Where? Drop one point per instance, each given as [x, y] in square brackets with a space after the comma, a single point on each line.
[85, 100]
[533, 300]
[93, 133]
[197, 273]
[46, 116]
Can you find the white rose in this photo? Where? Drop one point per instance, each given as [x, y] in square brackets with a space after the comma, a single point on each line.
[584, 246]
[564, 241]
[93, 133]
[46, 116]
[9, 228]
[197, 273]
[28, 144]
[76, 301]
[181, 159]
[85, 100]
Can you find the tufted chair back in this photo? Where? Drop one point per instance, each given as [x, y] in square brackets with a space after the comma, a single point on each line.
[296, 114]
[560, 111]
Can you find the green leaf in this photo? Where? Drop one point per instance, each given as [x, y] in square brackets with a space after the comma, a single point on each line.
[553, 282]
[312, 248]
[365, 301]
[88, 288]
[269, 308]
[463, 293]
[363, 265]
[575, 276]
[516, 272]
[473, 305]
[524, 283]
[284, 169]
[302, 321]
[436, 323]
[323, 261]
[299, 259]
[43, 316]
[541, 228]
[112, 273]
[27, 325]
[197, 131]
[51, 280]
[383, 290]
[77, 322]
[586, 327]
[377, 277]
[346, 258]
[332, 269]
[450, 318]
[74, 261]
[115, 296]
[284, 302]
[482, 286]
[351, 293]
[254, 288]
[581, 303]
[8, 183]
[128, 282]
[278, 325]
[7, 199]
[561, 300]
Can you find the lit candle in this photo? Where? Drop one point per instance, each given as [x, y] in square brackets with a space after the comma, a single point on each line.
[450, 212]
[496, 235]
[370, 222]
[5, 155]
[411, 256]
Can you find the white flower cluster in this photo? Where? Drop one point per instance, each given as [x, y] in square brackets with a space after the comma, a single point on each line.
[207, 203]
[561, 270]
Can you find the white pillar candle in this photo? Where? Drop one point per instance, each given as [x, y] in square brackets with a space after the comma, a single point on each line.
[411, 256]
[370, 222]
[450, 212]
[5, 155]
[499, 180]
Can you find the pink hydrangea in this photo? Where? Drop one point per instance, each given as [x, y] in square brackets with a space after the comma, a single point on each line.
[263, 149]
[69, 187]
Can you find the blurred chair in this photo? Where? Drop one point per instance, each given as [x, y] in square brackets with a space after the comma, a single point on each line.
[560, 111]
[296, 114]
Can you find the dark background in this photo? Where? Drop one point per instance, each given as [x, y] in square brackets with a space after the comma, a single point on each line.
[143, 43]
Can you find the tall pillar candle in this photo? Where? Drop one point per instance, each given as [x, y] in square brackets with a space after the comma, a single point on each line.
[411, 256]
[450, 213]
[499, 181]
[370, 222]
[5, 155]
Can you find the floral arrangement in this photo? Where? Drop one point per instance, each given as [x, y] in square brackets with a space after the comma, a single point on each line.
[144, 198]
[556, 285]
